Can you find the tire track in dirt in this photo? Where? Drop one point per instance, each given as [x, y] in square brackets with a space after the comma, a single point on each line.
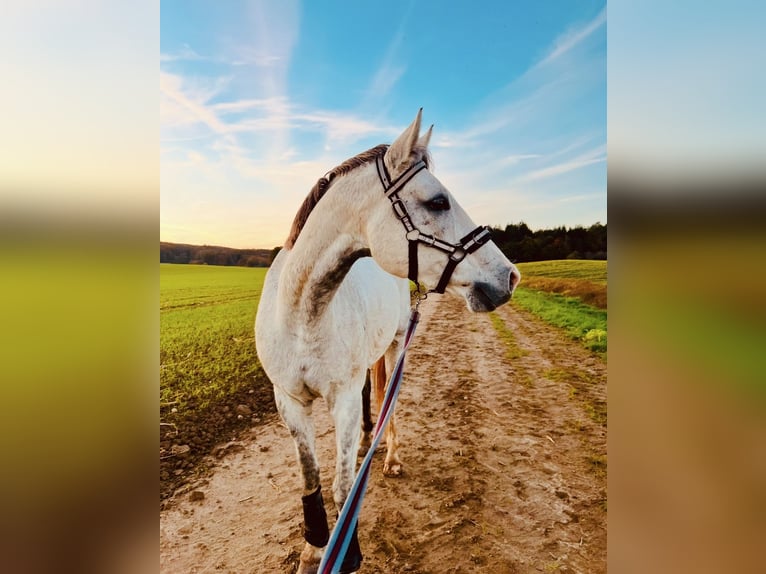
[503, 466]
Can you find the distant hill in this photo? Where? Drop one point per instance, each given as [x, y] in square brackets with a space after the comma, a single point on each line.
[214, 255]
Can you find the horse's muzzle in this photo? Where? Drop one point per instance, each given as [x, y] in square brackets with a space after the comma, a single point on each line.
[484, 297]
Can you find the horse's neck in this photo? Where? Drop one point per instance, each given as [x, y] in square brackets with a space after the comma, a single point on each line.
[329, 244]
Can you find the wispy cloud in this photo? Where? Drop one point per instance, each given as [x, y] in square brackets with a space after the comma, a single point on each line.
[597, 155]
[390, 70]
[517, 158]
[185, 53]
[572, 37]
[185, 105]
[238, 140]
[527, 115]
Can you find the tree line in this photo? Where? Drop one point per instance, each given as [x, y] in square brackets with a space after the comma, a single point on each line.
[214, 255]
[516, 240]
[520, 244]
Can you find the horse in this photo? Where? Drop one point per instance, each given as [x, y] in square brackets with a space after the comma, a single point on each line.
[335, 302]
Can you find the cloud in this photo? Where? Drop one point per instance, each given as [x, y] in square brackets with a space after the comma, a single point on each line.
[390, 70]
[384, 81]
[597, 155]
[186, 53]
[572, 37]
[185, 105]
[245, 142]
[517, 158]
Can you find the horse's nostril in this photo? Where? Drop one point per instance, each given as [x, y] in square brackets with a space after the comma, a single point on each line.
[514, 279]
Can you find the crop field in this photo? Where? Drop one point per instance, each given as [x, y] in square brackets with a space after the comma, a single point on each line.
[210, 380]
[582, 269]
[207, 314]
[569, 294]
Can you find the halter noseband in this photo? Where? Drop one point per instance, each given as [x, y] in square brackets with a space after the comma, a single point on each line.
[456, 251]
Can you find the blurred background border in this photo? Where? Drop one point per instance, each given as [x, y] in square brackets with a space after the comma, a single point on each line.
[79, 212]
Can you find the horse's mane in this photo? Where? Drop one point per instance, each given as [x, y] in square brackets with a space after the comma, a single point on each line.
[321, 187]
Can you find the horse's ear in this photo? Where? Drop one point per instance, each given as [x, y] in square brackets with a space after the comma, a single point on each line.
[425, 138]
[399, 155]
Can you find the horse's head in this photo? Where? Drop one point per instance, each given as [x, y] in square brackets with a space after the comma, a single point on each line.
[427, 236]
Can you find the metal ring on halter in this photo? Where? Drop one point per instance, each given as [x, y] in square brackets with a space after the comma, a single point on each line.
[420, 296]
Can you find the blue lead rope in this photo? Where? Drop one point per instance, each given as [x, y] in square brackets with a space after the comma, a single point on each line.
[344, 528]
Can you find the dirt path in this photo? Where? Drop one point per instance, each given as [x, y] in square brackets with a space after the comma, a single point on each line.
[504, 460]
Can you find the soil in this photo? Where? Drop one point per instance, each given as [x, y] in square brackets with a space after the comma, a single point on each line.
[504, 465]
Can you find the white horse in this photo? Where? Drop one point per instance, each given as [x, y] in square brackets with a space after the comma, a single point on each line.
[336, 301]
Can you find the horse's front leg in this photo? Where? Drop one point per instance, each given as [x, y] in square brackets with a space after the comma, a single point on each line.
[297, 417]
[346, 409]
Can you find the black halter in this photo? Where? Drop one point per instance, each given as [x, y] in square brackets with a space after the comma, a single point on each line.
[456, 251]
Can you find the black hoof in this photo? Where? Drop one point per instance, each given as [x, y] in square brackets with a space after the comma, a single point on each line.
[352, 561]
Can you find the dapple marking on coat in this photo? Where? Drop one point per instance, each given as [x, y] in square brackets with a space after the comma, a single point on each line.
[335, 303]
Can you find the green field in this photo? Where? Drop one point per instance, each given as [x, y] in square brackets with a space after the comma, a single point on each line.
[207, 349]
[584, 269]
[559, 292]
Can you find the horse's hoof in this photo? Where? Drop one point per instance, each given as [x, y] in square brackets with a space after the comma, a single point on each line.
[310, 559]
[392, 470]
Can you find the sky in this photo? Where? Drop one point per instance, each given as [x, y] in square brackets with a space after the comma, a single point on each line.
[259, 99]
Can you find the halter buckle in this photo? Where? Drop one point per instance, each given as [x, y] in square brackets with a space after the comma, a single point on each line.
[399, 209]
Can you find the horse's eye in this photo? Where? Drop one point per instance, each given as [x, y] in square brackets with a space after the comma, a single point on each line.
[438, 203]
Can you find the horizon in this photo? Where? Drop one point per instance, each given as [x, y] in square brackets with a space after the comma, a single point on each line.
[280, 246]
[260, 100]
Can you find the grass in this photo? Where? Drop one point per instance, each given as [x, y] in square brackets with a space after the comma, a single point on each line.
[569, 294]
[588, 292]
[207, 348]
[580, 321]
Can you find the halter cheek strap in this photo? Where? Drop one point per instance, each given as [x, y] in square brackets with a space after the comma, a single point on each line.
[456, 251]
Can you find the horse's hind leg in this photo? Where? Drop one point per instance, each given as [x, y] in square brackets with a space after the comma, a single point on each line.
[367, 424]
[297, 417]
[392, 466]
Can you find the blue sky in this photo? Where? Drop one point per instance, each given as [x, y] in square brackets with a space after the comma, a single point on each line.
[259, 99]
